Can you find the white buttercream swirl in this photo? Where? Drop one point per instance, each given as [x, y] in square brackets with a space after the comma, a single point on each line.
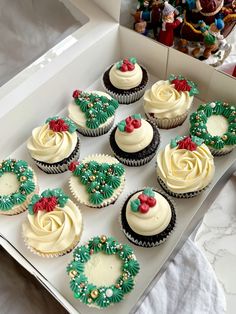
[135, 141]
[164, 101]
[126, 80]
[78, 116]
[185, 171]
[55, 231]
[49, 146]
[154, 221]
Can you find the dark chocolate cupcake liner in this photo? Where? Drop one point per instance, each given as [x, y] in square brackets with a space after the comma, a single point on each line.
[167, 123]
[127, 97]
[220, 152]
[60, 166]
[139, 158]
[180, 195]
[96, 132]
[148, 241]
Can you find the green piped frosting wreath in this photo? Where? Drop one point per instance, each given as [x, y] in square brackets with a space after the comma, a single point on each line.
[100, 179]
[102, 296]
[198, 121]
[24, 176]
[97, 109]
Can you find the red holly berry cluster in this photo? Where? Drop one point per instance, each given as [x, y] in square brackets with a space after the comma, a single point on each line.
[76, 93]
[45, 203]
[132, 124]
[58, 125]
[181, 85]
[187, 143]
[146, 203]
[72, 165]
[126, 66]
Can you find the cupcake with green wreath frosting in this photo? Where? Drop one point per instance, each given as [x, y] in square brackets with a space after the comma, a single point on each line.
[18, 184]
[93, 112]
[102, 272]
[215, 123]
[97, 180]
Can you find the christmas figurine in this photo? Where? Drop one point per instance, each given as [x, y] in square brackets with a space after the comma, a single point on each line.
[169, 23]
[212, 37]
[141, 27]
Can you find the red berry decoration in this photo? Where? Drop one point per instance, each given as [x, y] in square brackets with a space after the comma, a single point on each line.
[144, 208]
[124, 68]
[76, 93]
[129, 128]
[72, 165]
[136, 123]
[143, 198]
[151, 201]
[130, 66]
[126, 61]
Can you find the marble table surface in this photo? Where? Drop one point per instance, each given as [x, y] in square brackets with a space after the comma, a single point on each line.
[217, 237]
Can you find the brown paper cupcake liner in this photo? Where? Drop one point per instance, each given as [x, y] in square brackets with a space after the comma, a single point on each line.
[96, 132]
[135, 163]
[148, 241]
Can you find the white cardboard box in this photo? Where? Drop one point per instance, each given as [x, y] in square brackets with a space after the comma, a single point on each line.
[32, 96]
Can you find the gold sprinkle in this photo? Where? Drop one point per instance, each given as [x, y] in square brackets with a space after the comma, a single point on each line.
[224, 137]
[73, 273]
[23, 178]
[103, 238]
[94, 294]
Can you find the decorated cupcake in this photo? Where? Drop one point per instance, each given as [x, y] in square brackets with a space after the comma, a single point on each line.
[102, 272]
[17, 185]
[125, 81]
[97, 181]
[93, 112]
[215, 123]
[167, 103]
[134, 140]
[148, 217]
[54, 224]
[185, 167]
[54, 145]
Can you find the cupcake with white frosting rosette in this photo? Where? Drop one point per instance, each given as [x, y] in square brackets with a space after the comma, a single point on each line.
[185, 167]
[135, 141]
[148, 217]
[167, 103]
[54, 224]
[125, 80]
[54, 145]
[93, 112]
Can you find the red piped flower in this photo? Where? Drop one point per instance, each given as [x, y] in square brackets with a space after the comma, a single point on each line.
[187, 143]
[45, 203]
[72, 165]
[181, 85]
[76, 93]
[58, 125]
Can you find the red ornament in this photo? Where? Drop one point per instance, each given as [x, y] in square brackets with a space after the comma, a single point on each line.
[58, 125]
[187, 143]
[76, 93]
[144, 208]
[72, 165]
[136, 123]
[151, 201]
[143, 198]
[181, 85]
[124, 67]
[129, 128]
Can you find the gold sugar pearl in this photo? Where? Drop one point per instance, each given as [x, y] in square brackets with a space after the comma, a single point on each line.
[196, 124]
[23, 178]
[103, 238]
[212, 142]
[99, 245]
[93, 190]
[197, 117]
[224, 137]
[82, 285]
[225, 104]
[0, 166]
[90, 105]
[23, 192]
[94, 294]
[92, 178]
[117, 285]
[198, 133]
[73, 273]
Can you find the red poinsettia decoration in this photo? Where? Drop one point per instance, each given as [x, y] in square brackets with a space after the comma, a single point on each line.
[181, 85]
[45, 203]
[76, 93]
[187, 143]
[72, 165]
[58, 125]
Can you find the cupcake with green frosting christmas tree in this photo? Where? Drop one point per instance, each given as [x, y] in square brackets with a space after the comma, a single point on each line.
[215, 123]
[102, 272]
[97, 180]
[18, 184]
[92, 112]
